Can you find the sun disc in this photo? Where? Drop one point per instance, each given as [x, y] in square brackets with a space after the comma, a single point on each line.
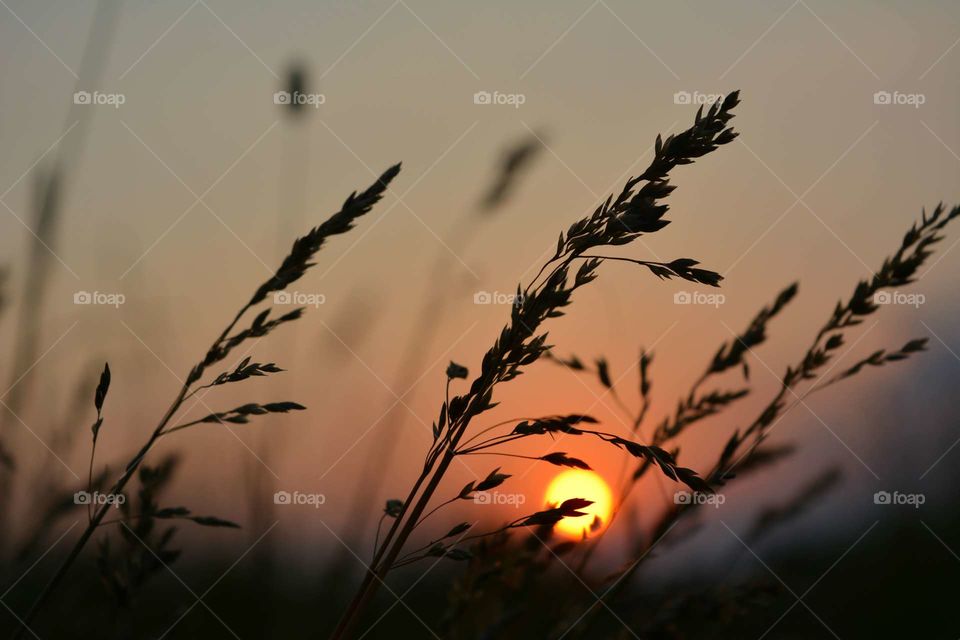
[578, 483]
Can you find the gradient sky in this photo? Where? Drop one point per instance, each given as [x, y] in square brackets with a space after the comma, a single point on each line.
[181, 200]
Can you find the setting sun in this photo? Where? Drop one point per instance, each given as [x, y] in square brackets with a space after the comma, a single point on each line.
[577, 483]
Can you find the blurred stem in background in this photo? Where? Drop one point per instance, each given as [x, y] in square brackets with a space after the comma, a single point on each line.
[258, 476]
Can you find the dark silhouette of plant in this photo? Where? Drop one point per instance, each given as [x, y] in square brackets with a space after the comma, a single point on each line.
[745, 451]
[637, 210]
[47, 213]
[293, 267]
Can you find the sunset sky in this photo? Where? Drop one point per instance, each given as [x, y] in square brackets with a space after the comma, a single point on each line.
[188, 194]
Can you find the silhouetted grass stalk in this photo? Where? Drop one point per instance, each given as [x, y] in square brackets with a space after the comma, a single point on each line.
[616, 222]
[48, 205]
[896, 271]
[293, 267]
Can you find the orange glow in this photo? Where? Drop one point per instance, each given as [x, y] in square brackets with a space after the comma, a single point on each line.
[578, 483]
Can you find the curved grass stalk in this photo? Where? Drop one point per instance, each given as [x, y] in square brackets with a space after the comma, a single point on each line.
[616, 222]
[293, 267]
